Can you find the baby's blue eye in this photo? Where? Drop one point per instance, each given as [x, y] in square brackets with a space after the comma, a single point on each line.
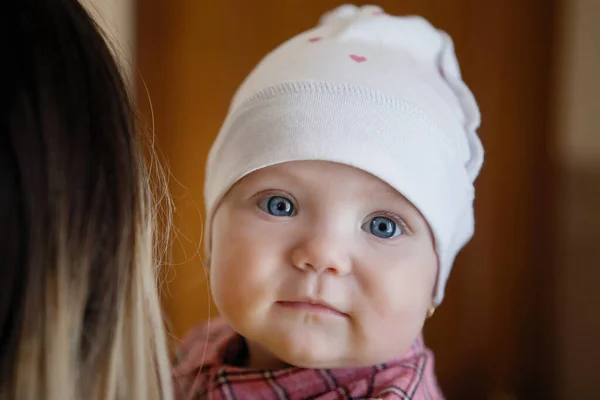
[382, 227]
[278, 206]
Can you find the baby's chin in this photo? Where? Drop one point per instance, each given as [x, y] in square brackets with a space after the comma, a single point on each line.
[320, 343]
[327, 355]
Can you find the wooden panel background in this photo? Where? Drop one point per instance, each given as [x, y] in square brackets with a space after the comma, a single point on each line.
[494, 334]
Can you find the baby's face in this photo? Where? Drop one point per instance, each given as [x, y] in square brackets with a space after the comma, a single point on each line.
[321, 265]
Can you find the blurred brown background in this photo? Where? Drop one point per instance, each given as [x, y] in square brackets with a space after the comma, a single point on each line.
[520, 319]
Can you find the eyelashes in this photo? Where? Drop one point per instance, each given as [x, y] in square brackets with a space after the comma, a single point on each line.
[381, 224]
[385, 225]
[278, 206]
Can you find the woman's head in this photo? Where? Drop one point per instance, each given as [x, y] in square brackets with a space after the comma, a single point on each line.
[79, 313]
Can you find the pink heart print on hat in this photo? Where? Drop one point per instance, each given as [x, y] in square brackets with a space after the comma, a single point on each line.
[357, 58]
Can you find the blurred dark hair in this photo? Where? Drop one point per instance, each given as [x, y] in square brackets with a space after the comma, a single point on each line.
[79, 310]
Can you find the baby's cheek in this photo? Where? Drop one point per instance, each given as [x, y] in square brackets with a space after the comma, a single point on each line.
[392, 314]
[225, 292]
[392, 305]
[241, 276]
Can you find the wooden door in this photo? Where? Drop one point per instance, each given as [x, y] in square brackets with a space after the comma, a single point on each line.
[492, 336]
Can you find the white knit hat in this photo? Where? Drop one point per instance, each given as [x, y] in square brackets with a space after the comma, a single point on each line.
[381, 93]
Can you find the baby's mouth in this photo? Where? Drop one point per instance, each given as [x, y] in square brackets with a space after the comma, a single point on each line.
[313, 306]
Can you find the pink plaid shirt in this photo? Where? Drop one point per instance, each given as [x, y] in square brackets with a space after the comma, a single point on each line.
[205, 369]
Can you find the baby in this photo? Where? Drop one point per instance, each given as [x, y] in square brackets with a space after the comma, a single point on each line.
[338, 193]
